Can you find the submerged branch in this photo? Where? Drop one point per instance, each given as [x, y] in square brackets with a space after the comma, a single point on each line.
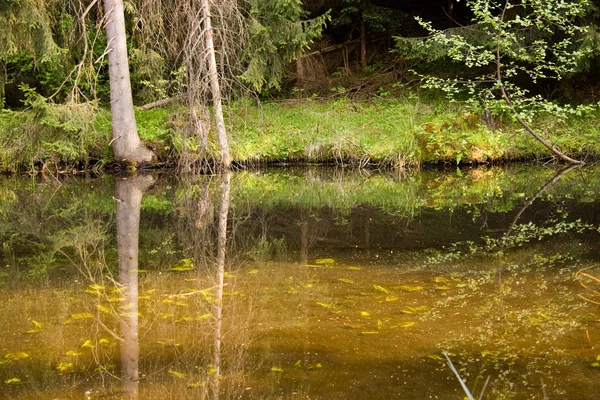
[529, 202]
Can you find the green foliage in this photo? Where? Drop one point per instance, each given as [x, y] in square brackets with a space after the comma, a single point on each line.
[47, 132]
[377, 18]
[278, 31]
[506, 42]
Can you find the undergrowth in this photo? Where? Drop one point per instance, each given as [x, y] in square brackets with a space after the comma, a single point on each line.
[402, 131]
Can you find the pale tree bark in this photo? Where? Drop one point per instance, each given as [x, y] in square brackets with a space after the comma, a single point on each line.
[218, 306]
[215, 87]
[126, 143]
[128, 196]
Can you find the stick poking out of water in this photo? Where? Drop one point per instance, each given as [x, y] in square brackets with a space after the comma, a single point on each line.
[462, 383]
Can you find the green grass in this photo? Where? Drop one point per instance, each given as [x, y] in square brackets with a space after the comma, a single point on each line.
[397, 132]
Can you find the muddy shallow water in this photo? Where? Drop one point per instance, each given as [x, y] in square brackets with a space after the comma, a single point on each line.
[312, 283]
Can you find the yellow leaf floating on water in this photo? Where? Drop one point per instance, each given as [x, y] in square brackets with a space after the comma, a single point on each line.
[369, 333]
[326, 305]
[196, 384]
[435, 357]
[596, 365]
[104, 342]
[276, 369]
[117, 299]
[315, 366]
[104, 309]
[381, 289]
[84, 315]
[365, 314]
[416, 310]
[129, 314]
[324, 261]
[407, 288]
[150, 291]
[379, 324]
[166, 315]
[298, 364]
[177, 374]
[348, 281]
[95, 289]
[186, 264]
[72, 353]
[598, 358]
[16, 356]
[12, 380]
[36, 324]
[253, 272]
[169, 342]
[407, 324]
[441, 279]
[64, 366]
[391, 298]
[353, 268]
[88, 344]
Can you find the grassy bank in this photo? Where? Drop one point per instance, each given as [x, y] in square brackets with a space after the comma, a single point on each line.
[397, 132]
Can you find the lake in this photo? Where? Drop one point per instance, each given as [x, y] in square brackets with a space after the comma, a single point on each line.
[312, 283]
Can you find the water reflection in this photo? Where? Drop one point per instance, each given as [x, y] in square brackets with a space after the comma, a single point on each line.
[128, 199]
[281, 284]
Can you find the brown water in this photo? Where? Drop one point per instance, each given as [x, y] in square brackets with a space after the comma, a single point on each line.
[315, 284]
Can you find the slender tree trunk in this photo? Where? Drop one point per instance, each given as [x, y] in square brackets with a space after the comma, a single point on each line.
[215, 87]
[218, 307]
[126, 143]
[128, 195]
[299, 69]
[363, 41]
[450, 13]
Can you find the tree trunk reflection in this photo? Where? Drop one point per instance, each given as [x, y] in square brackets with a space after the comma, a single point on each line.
[128, 195]
[221, 253]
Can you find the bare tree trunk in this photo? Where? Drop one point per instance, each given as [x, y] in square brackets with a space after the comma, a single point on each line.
[299, 69]
[221, 254]
[126, 143]
[128, 194]
[363, 42]
[215, 87]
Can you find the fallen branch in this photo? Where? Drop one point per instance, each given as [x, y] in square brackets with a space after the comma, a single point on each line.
[159, 103]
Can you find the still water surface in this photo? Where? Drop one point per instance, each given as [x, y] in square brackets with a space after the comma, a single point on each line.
[312, 284]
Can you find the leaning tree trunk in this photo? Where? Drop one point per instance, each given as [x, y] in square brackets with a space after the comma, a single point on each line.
[215, 87]
[506, 97]
[126, 143]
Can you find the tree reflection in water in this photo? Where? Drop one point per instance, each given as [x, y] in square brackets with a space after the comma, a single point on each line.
[128, 196]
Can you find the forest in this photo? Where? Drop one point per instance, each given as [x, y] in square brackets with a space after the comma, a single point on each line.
[244, 82]
[284, 199]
